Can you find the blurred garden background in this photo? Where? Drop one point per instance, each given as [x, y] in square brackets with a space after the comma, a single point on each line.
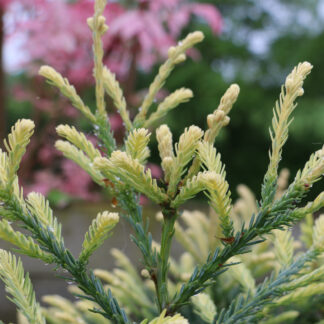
[249, 42]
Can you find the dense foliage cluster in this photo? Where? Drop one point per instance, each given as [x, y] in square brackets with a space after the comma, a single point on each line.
[45, 36]
[230, 250]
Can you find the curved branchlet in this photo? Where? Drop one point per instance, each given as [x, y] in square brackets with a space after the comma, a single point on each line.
[25, 244]
[185, 151]
[73, 153]
[216, 121]
[56, 79]
[165, 146]
[219, 118]
[292, 89]
[312, 172]
[137, 144]
[79, 140]
[219, 199]
[133, 173]
[170, 102]
[16, 144]
[218, 188]
[39, 206]
[19, 286]
[115, 92]
[98, 233]
[192, 187]
[98, 26]
[176, 55]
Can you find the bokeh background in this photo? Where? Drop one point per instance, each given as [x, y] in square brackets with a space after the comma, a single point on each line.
[249, 42]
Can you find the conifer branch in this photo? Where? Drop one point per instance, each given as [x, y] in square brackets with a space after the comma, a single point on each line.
[292, 89]
[136, 144]
[176, 55]
[98, 26]
[73, 153]
[122, 166]
[247, 309]
[19, 286]
[185, 151]
[79, 140]
[216, 121]
[98, 233]
[115, 92]
[170, 102]
[165, 146]
[16, 145]
[56, 79]
[25, 243]
[219, 118]
[194, 166]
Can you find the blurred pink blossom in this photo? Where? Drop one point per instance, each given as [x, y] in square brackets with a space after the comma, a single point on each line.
[56, 33]
[43, 182]
[76, 182]
[155, 169]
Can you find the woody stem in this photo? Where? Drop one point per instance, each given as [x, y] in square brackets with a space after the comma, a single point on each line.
[169, 218]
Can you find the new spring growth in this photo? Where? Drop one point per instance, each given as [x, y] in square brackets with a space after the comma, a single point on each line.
[173, 100]
[16, 145]
[3, 168]
[216, 121]
[79, 140]
[310, 208]
[121, 166]
[73, 153]
[125, 171]
[314, 168]
[98, 233]
[136, 144]
[25, 244]
[163, 319]
[318, 237]
[19, 286]
[311, 173]
[210, 159]
[176, 55]
[98, 26]
[218, 188]
[292, 89]
[57, 80]
[219, 196]
[165, 146]
[39, 206]
[115, 92]
[185, 150]
[193, 186]
[219, 118]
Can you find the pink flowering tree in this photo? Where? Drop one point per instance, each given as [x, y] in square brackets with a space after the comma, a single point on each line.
[55, 33]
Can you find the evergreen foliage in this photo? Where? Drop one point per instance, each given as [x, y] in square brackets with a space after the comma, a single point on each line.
[235, 244]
